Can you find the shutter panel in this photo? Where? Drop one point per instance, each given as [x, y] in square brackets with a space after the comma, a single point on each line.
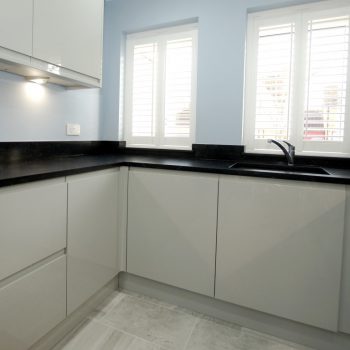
[144, 90]
[274, 81]
[178, 88]
[326, 79]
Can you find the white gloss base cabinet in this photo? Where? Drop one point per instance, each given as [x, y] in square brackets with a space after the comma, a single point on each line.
[33, 223]
[280, 248]
[172, 228]
[16, 22]
[344, 320]
[92, 234]
[32, 305]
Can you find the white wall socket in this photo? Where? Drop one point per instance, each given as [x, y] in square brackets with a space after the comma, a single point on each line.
[73, 129]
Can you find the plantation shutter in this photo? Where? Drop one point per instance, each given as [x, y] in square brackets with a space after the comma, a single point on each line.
[297, 72]
[161, 88]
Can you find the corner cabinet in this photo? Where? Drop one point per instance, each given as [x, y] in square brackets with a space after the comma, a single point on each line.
[92, 234]
[172, 228]
[280, 247]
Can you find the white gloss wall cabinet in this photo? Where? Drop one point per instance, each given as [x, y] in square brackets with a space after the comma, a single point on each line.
[171, 234]
[32, 223]
[344, 320]
[16, 19]
[32, 305]
[92, 234]
[280, 247]
[69, 34]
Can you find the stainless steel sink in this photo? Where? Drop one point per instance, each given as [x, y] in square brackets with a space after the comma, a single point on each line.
[294, 169]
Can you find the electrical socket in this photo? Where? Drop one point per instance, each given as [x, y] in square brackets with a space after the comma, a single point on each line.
[73, 129]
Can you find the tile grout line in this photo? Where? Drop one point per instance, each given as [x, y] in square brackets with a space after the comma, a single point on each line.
[160, 303]
[195, 323]
[112, 327]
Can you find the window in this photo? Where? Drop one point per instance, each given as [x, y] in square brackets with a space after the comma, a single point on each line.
[160, 88]
[297, 74]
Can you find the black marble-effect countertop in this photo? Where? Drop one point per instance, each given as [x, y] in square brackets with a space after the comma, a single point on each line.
[12, 173]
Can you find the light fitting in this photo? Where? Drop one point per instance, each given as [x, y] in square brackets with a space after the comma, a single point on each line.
[38, 80]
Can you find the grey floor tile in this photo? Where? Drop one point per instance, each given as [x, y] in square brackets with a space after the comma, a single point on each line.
[95, 336]
[209, 335]
[155, 323]
[252, 340]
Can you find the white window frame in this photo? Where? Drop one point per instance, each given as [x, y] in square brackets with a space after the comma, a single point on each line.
[161, 36]
[300, 15]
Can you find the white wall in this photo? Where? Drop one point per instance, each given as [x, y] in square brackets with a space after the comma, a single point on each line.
[222, 26]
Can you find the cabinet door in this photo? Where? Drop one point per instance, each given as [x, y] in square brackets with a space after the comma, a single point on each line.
[344, 320]
[92, 234]
[16, 25]
[69, 33]
[32, 305]
[32, 223]
[280, 248]
[172, 228]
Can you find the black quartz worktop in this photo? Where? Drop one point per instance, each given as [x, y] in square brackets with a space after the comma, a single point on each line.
[26, 170]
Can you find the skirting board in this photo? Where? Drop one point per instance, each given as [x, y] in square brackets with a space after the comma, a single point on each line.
[315, 338]
[54, 337]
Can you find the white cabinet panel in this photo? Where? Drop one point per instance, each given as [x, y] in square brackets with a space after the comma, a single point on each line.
[16, 25]
[32, 223]
[32, 305]
[344, 320]
[69, 33]
[92, 234]
[280, 248]
[172, 228]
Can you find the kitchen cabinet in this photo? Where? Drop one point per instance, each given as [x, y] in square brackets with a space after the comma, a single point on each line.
[344, 319]
[32, 223]
[16, 20]
[32, 305]
[92, 234]
[171, 232]
[69, 34]
[279, 247]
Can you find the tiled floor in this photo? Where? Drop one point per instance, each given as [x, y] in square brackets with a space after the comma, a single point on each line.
[127, 321]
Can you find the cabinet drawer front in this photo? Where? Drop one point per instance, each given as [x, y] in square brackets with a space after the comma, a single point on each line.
[32, 305]
[32, 224]
[280, 248]
[172, 228]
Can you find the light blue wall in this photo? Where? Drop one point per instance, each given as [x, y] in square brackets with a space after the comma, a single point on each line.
[222, 25]
[27, 114]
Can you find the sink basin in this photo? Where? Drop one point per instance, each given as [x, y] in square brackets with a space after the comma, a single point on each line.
[294, 169]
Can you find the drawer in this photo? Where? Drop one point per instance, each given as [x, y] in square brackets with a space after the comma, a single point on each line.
[32, 305]
[32, 223]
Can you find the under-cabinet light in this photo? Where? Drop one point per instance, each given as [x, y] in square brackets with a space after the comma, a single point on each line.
[38, 80]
